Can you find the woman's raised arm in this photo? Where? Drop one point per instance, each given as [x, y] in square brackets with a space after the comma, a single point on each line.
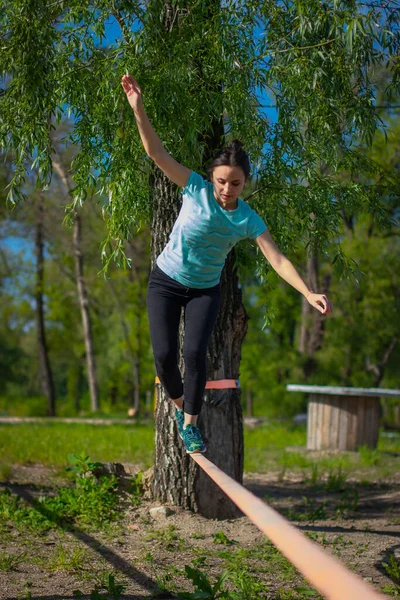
[286, 270]
[151, 142]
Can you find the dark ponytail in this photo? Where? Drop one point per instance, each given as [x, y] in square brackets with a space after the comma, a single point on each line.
[232, 155]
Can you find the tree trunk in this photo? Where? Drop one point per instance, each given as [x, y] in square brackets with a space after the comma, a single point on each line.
[83, 298]
[46, 375]
[177, 480]
[378, 369]
[307, 311]
[86, 322]
[134, 397]
[80, 379]
[249, 403]
[134, 277]
[136, 382]
[312, 327]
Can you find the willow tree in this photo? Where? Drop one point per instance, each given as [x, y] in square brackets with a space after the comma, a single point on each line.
[208, 71]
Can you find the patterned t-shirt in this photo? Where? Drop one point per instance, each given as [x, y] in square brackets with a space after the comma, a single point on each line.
[203, 235]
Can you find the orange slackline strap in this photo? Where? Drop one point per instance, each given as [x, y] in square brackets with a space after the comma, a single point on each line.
[322, 570]
[219, 384]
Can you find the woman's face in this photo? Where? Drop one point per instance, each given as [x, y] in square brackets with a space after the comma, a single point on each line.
[228, 184]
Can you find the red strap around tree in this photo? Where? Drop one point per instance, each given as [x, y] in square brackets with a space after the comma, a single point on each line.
[218, 384]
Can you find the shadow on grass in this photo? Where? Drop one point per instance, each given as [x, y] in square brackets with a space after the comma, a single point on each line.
[392, 569]
[89, 597]
[373, 502]
[91, 542]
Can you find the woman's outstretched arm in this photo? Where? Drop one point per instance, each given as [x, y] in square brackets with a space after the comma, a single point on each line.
[286, 270]
[151, 142]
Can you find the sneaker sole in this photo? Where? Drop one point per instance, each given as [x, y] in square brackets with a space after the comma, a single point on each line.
[196, 451]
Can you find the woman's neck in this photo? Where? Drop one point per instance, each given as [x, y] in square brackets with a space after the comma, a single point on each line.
[232, 205]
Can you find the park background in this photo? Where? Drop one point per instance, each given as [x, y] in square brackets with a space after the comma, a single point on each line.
[357, 346]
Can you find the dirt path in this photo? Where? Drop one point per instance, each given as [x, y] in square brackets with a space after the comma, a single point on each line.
[360, 525]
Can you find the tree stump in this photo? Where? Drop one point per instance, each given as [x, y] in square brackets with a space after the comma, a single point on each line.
[342, 418]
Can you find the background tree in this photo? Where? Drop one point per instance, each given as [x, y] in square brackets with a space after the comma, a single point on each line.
[46, 373]
[62, 172]
[19, 357]
[360, 348]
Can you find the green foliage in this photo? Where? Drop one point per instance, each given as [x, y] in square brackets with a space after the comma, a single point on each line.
[112, 588]
[392, 568]
[204, 588]
[208, 64]
[220, 538]
[117, 309]
[247, 586]
[358, 341]
[310, 510]
[10, 562]
[106, 583]
[168, 539]
[67, 559]
[136, 488]
[392, 590]
[163, 580]
[82, 466]
[336, 480]
[91, 502]
[348, 502]
[23, 517]
[6, 472]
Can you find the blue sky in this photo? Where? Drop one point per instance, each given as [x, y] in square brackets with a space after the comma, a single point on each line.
[18, 244]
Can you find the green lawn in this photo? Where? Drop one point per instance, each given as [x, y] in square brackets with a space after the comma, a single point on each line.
[50, 443]
[265, 448]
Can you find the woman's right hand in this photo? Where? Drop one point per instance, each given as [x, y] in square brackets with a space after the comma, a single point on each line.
[132, 91]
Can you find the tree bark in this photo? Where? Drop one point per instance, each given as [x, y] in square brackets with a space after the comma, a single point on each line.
[134, 277]
[312, 328]
[86, 321]
[46, 374]
[378, 369]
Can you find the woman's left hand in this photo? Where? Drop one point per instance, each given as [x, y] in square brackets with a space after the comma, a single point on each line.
[320, 302]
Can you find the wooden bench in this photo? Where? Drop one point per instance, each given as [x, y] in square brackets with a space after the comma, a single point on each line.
[342, 418]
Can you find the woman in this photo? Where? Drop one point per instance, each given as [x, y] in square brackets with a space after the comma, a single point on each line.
[187, 272]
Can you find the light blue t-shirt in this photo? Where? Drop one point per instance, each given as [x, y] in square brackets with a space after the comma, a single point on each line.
[203, 235]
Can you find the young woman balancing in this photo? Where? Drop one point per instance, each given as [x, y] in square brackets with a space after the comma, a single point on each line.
[187, 272]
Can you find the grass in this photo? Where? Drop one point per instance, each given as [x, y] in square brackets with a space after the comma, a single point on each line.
[10, 562]
[242, 563]
[224, 570]
[265, 450]
[167, 538]
[50, 443]
[90, 503]
[36, 406]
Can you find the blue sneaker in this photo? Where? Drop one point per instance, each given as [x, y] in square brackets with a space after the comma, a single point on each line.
[193, 440]
[180, 419]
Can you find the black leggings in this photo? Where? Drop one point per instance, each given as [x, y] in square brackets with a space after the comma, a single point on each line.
[165, 297]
